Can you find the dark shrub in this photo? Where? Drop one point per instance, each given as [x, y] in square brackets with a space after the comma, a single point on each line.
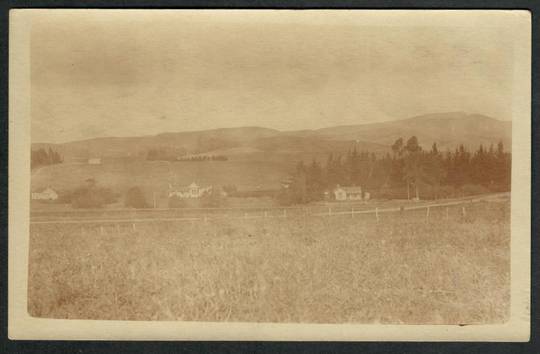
[135, 198]
[92, 197]
[230, 189]
[212, 200]
[176, 202]
[285, 198]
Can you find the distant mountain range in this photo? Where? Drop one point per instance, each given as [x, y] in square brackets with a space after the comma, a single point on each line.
[448, 130]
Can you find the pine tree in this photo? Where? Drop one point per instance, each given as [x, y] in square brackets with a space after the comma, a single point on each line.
[413, 167]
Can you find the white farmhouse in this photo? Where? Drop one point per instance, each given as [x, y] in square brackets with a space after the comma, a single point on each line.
[348, 193]
[46, 194]
[191, 191]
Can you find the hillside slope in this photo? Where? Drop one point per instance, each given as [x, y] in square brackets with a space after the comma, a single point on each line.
[448, 130]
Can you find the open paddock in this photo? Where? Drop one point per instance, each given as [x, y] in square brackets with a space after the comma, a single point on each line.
[403, 268]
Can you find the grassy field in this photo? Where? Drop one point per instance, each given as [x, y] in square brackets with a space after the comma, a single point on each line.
[403, 269]
[120, 175]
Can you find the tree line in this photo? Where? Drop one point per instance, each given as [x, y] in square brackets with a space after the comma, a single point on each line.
[406, 171]
[163, 154]
[200, 158]
[43, 157]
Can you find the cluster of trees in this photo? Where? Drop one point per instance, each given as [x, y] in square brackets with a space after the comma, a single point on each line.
[232, 191]
[135, 198]
[408, 171]
[204, 158]
[43, 157]
[164, 154]
[90, 195]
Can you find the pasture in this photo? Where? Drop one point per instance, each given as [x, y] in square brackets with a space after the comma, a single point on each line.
[403, 268]
[120, 175]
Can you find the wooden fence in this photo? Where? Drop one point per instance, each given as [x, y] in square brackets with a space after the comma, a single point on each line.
[205, 215]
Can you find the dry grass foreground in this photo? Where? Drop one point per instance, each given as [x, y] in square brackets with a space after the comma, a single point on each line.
[339, 269]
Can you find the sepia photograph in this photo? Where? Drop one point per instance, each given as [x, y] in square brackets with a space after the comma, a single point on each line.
[335, 168]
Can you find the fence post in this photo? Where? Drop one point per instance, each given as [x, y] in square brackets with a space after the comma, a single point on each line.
[446, 213]
[463, 212]
[427, 214]
[101, 229]
[133, 226]
[377, 214]
[352, 212]
[329, 211]
[265, 214]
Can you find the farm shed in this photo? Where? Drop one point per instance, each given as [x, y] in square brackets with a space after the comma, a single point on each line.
[46, 194]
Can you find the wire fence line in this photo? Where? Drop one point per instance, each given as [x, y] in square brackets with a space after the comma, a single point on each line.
[206, 215]
[408, 208]
[238, 208]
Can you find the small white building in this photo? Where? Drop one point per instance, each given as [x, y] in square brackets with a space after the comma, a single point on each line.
[191, 191]
[286, 183]
[348, 193]
[94, 161]
[46, 194]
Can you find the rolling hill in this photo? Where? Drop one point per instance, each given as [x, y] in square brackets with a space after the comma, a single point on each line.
[447, 129]
[257, 157]
[184, 142]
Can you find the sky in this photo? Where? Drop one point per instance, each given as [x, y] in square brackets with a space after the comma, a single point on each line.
[132, 73]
